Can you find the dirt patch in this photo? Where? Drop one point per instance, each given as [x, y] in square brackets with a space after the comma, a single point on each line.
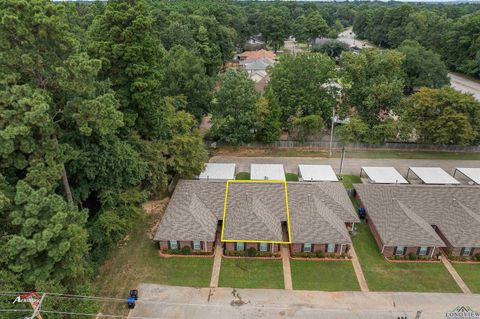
[156, 208]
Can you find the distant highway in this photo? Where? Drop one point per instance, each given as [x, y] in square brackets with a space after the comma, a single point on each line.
[458, 81]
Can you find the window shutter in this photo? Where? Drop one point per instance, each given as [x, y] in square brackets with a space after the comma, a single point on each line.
[313, 250]
[168, 244]
[395, 251]
[303, 248]
[418, 251]
[462, 251]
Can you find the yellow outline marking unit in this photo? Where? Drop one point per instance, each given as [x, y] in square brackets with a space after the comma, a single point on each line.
[256, 241]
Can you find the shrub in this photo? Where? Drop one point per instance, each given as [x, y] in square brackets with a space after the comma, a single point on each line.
[412, 256]
[186, 250]
[243, 176]
[320, 254]
[251, 252]
[396, 257]
[291, 177]
[476, 257]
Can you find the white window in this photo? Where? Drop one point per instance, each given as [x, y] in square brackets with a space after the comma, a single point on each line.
[330, 248]
[400, 250]
[422, 251]
[173, 244]
[240, 246]
[307, 247]
[263, 247]
[467, 251]
[197, 245]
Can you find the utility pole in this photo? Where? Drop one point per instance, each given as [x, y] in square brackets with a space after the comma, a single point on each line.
[331, 130]
[341, 161]
[36, 309]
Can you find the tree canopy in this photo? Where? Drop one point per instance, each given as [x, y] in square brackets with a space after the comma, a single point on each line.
[443, 116]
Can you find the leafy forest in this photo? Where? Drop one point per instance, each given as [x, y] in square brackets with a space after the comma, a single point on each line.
[100, 105]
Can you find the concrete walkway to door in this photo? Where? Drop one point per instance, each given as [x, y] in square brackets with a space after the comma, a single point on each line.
[358, 270]
[455, 275]
[287, 272]
[217, 263]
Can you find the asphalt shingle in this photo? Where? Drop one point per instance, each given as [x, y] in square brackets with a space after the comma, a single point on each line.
[402, 213]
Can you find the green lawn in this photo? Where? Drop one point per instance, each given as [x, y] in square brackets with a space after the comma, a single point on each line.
[243, 176]
[385, 276]
[291, 177]
[470, 273]
[251, 273]
[137, 260]
[327, 275]
[349, 180]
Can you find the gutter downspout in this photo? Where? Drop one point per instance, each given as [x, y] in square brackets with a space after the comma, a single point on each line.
[353, 226]
[433, 250]
[383, 248]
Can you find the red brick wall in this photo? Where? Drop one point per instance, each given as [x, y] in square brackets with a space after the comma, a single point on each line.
[297, 248]
[231, 246]
[163, 244]
[389, 251]
[457, 250]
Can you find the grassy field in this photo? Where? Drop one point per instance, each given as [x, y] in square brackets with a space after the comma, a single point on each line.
[323, 275]
[470, 273]
[301, 152]
[243, 176]
[291, 177]
[136, 260]
[349, 180]
[385, 276]
[251, 273]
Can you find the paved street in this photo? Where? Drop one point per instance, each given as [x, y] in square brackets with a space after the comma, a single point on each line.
[458, 81]
[351, 166]
[463, 84]
[159, 301]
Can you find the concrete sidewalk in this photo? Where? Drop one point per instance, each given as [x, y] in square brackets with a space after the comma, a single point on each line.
[159, 301]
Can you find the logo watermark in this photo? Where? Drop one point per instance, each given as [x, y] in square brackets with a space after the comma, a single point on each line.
[30, 297]
[462, 312]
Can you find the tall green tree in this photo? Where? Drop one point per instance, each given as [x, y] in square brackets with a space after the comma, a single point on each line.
[374, 83]
[300, 85]
[422, 67]
[185, 74]
[123, 39]
[315, 26]
[233, 115]
[49, 239]
[443, 116]
[275, 25]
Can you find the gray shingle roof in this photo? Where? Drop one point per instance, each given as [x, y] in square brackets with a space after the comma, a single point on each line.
[402, 213]
[255, 211]
[193, 211]
[312, 221]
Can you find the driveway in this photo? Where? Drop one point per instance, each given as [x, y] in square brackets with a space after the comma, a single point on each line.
[159, 301]
[351, 166]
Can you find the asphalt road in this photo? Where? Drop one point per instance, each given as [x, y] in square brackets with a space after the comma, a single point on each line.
[351, 166]
[463, 84]
[458, 81]
[159, 301]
